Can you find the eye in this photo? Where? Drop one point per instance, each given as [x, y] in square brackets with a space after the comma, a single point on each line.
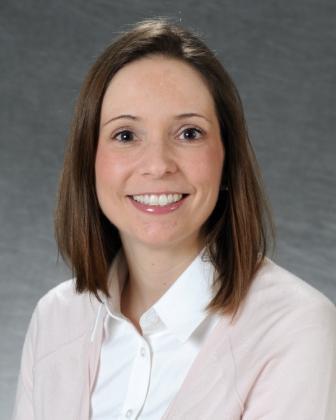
[124, 136]
[191, 133]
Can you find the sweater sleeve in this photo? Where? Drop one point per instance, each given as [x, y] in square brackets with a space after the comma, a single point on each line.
[23, 407]
[299, 381]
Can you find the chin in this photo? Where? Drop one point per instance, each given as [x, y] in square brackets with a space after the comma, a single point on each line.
[159, 242]
[162, 240]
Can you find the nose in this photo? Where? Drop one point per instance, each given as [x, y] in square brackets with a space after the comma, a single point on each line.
[158, 159]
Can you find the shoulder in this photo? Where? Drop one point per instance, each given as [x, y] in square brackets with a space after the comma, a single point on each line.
[283, 340]
[278, 284]
[63, 300]
[280, 302]
[62, 315]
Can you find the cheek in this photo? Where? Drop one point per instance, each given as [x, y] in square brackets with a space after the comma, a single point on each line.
[207, 167]
[104, 173]
[109, 168]
[101, 166]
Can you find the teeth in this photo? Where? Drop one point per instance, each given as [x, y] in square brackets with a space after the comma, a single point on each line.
[157, 200]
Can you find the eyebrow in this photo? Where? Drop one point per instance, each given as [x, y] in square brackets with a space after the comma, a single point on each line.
[191, 114]
[177, 117]
[127, 116]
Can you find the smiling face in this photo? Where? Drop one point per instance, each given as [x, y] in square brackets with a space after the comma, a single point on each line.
[160, 156]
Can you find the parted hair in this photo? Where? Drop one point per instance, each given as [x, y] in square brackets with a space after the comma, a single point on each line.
[239, 231]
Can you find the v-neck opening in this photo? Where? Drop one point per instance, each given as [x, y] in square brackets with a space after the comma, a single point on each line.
[207, 345]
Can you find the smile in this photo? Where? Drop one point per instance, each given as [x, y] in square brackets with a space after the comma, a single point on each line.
[157, 199]
[158, 204]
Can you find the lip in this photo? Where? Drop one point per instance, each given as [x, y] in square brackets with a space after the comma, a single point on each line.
[157, 193]
[158, 210]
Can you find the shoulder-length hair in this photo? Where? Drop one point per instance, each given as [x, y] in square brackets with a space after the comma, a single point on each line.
[238, 230]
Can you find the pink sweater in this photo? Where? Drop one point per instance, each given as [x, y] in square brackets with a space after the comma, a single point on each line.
[276, 361]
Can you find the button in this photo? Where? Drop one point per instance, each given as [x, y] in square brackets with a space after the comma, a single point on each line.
[143, 351]
[129, 413]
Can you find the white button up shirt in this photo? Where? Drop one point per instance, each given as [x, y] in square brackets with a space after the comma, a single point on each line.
[139, 375]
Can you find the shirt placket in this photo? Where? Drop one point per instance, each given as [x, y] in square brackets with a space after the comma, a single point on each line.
[141, 370]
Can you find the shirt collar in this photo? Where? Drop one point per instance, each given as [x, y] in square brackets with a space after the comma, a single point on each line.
[182, 307]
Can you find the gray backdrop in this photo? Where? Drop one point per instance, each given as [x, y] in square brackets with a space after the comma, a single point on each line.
[281, 55]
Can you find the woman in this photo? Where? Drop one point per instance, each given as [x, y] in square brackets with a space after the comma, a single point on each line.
[175, 311]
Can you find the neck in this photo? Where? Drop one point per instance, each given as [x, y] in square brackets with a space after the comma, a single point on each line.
[151, 273]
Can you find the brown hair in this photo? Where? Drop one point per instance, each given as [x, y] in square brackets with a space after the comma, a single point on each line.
[236, 232]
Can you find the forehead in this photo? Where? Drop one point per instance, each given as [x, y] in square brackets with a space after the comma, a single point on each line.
[158, 81]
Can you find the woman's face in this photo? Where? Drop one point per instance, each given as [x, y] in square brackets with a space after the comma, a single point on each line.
[160, 156]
